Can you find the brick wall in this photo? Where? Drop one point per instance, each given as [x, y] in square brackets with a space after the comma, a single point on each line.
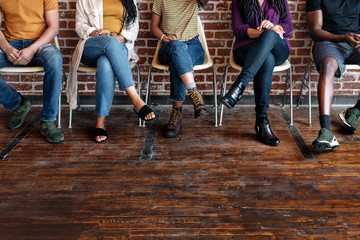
[216, 18]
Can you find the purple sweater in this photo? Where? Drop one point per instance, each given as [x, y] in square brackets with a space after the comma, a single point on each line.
[240, 28]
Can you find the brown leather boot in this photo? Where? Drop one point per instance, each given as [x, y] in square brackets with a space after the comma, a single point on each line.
[199, 105]
[175, 123]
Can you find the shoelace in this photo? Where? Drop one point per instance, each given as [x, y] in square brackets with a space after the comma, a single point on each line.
[195, 97]
[174, 116]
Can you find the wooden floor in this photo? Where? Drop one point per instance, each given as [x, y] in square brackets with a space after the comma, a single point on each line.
[208, 183]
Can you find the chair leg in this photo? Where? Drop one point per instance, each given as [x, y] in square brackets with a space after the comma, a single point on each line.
[70, 118]
[285, 89]
[215, 95]
[59, 113]
[139, 87]
[147, 96]
[303, 82]
[289, 73]
[309, 86]
[222, 92]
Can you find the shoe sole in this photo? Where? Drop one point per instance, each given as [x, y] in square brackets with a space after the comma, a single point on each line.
[172, 136]
[27, 110]
[226, 104]
[50, 140]
[201, 115]
[346, 125]
[321, 147]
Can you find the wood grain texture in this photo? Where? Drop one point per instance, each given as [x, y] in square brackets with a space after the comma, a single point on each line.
[208, 183]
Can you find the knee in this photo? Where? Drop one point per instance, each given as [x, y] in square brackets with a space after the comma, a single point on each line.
[269, 63]
[53, 58]
[269, 34]
[176, 46]
[104, 64]
[113, 44]
[328, 66]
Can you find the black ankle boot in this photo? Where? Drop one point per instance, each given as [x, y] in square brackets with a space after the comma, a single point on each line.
[264, 133]
[233, 95]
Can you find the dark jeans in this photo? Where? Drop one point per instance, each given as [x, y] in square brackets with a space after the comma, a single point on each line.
[181, 58]
[258, 60]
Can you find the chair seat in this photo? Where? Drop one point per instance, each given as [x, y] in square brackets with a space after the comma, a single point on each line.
[84, 68]
[352, 67]
[22, 69]
[286, 65]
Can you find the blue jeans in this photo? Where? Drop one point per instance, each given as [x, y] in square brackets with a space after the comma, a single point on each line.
[111, 59]
[50, 58]
[258, 60]
[181, 58]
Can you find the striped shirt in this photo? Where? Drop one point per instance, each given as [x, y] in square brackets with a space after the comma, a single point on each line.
[178, 18]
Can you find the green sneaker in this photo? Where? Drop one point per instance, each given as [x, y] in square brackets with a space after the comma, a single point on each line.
[18, 115]
[349, 118]
[51, 132]
[325, 142]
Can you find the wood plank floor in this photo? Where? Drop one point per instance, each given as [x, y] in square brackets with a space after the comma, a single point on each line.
[208, 183]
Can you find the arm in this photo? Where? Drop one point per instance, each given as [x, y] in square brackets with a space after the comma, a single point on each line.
[315, 22]
[52, 21]
[11, 53]
[82, 26]
[155, 29]
[241, 31]
[287, 24]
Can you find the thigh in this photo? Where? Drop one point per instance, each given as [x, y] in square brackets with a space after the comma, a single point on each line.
[325, 49]
[93, 49]
[4, 62]
[280, 51]
[47, 55]
[241, 53]
[196, 51]
[354, 57]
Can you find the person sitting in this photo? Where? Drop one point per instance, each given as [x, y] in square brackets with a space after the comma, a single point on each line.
[29, 29]
[175, 24]
[334, 27]
[107, 42]
[261, 29]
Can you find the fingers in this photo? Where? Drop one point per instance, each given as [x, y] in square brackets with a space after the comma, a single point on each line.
[21, 61]
[101, 32]
[266, 24]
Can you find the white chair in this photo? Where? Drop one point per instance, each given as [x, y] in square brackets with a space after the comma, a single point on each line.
[306, 81]
[207, 63]
[35, 69]
[87, 69]
[285, 66]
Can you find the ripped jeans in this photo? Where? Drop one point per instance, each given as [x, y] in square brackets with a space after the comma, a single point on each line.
[50, 58]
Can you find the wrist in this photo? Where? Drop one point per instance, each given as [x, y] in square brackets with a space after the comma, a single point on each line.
[162, 37]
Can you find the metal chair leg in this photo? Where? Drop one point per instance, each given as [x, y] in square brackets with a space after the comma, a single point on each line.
[285, 89]
[59, 112]
[215, 95]
[139, 86]
[309, 86]
[147, 96]
[289, 72]
[222, 92]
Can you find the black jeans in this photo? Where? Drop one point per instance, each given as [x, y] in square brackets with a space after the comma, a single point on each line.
[258, 60]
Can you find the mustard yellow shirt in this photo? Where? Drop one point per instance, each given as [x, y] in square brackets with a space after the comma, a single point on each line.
[25, 19]
[113, 14]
